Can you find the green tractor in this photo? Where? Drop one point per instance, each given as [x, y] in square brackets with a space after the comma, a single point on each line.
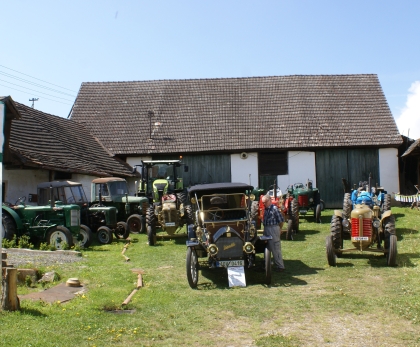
[308, 199]
[102, 220]
[56, 223]
[113, 191]
[168, 209]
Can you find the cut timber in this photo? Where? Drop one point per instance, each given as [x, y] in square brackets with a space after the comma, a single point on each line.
[9, 298]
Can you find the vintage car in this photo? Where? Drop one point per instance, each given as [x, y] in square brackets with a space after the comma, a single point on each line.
[224, 230]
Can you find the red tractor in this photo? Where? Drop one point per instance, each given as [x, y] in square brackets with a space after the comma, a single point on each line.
[288, 208]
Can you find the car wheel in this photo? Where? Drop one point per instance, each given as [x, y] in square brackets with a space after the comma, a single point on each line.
[347, 205]
[192, 267]
[122, 231]
[105, 235]
[86, 236]
[151, 235]
[9, 228]
[331, 256]
[267, 263]
[318, 213]
[134, 224]
[289, 234]
[59, 235]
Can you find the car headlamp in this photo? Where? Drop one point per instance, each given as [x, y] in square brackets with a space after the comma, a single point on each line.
[213, 250]
[248, 248]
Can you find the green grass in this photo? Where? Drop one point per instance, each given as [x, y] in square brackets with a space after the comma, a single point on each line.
[359, 302]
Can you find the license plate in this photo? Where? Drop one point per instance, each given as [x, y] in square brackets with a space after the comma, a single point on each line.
[170, 224]
[360, 238]
[228, 263]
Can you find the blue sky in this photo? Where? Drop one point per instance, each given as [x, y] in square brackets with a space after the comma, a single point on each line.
[59, 44]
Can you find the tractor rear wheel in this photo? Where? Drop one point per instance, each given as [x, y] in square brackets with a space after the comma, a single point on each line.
[289, 234]
[347, 205]
[122, 231]
[331, 256]
[151, 235]
[254, 211]
[151, 226]
[295, 215]
[105, 235]
[267, 263]
[192, 267]
[134, 224]
[386, 205]
[336, 230]
[9, 227]
[188, 214]
[58, 236]
[86, 236]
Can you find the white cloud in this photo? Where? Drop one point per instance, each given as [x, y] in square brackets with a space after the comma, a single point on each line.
[408, 121]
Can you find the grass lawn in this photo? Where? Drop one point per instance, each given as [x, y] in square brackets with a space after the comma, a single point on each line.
[361, 302]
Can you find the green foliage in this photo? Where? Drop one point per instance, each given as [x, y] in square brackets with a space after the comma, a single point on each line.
[24, 242]
[9, 243]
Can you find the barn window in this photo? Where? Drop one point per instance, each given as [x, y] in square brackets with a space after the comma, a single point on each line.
[273, 163]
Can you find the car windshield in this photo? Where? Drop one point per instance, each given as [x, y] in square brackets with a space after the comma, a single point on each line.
[223, 206]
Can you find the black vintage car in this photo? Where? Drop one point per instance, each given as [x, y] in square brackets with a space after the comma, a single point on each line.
[224, 230]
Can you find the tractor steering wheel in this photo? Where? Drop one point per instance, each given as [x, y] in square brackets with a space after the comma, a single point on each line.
[22, 199]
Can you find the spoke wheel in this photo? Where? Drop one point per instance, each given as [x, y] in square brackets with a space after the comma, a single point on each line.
[192, 267]
[267, 263]
[134, 224]
[122, 231]
[85, 236]
[331, 257]
[215, 213]
[58, 236]
[105, 235]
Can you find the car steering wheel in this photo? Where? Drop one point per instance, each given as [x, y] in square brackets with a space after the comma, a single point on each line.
[215, 213]
[22, 199]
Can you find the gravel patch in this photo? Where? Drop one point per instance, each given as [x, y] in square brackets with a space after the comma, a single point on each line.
[19, 257]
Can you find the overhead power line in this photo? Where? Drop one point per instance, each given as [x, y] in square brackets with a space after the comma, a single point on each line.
[64, 103]
[38, 79]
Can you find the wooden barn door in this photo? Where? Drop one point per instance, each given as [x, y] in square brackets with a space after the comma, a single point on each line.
[352, 164]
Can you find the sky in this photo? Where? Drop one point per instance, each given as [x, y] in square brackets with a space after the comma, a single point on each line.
[50, 47]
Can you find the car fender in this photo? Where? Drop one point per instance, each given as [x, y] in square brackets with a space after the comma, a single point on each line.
[14, 215]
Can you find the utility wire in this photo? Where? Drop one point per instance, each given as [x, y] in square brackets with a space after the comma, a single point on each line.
[35, 84]
[65, 103]
[38, 79]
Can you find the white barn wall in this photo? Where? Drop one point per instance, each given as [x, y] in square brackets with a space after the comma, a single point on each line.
[131, 181]
[301, 168]
[242, 168]
[388, 170]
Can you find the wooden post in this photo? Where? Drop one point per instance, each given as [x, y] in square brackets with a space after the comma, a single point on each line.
[9, 298]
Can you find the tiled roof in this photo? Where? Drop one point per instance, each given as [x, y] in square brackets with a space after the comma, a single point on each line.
[45, 141]
[413, 150]
[235, 114]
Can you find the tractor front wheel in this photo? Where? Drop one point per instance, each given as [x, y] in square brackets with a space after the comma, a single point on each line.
[58, 236]
[134, 224]
[122, 231]
[336, 230]
[289, 234]
[331, 256]
[318, 213]
[86, 236]
[392, 251]
[105, 235]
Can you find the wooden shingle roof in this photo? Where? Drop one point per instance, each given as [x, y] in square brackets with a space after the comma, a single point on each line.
[49, 142]
[235, 114]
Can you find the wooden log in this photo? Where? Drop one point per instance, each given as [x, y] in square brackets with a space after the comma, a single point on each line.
[9, 298]
[139, 281]
[126, 301]
[126, 258]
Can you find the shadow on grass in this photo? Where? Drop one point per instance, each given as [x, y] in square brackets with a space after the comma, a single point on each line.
[300, 236]
[375, 259]
[398, 215]
[32, 312]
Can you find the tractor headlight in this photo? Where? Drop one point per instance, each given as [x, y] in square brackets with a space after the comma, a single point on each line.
[248, 248]
[193, 201]
[213, 249]
[311, 200]
[376, 223]
[252, 197]
[345, 223]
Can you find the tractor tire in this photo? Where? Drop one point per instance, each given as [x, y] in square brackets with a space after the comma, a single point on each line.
[386, 205]
[122, 231]
[9, 227]
[188, 215]
[192, 267]
[289, 233]
[295, 215]
[105, 235]
[331, 256]
[318, 213]
[322, 203]
[181, 198]
[151, 226]
[390, 241]
[58, 235]
[134, 224]
[254, 211]
[267, 263]
[347, 206]
[86, 236]
[336, 230]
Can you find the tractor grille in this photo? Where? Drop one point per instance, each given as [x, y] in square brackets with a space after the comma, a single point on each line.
[229, 247]
[303, 200]
[170, 215]
[113, 217]
[367, 227]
